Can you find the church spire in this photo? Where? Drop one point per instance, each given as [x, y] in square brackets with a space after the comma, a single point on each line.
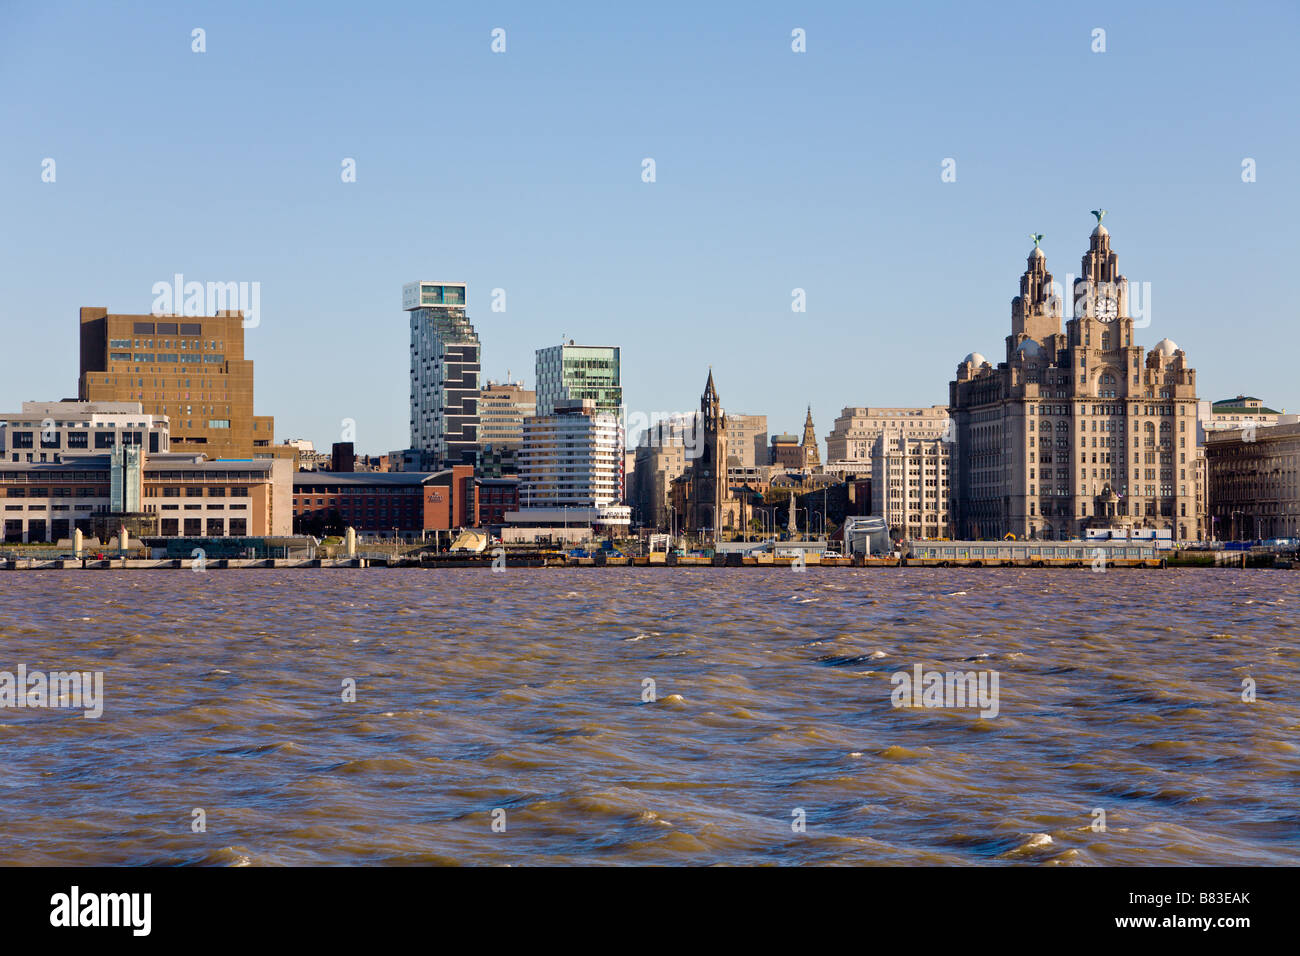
[710, 404]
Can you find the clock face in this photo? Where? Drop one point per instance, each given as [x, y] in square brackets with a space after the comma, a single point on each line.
[1107, 308]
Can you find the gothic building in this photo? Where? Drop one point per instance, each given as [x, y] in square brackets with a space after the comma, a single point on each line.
[1079, 427]
[708, 478]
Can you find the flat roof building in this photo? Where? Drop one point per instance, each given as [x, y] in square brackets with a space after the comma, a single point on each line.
[1254, 482]
[154, 495]
[376, 502]
[189, 370]
[44, 431]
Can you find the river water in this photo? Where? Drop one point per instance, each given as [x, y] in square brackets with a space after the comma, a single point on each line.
[506, 718]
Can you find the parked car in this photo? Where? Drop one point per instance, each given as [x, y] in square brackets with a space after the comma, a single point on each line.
[831, 554]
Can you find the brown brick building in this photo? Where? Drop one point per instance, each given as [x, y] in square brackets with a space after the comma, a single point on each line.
[190, 368]
[377, 502]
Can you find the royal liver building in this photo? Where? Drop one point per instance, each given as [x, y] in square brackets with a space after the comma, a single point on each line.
[1077, 429]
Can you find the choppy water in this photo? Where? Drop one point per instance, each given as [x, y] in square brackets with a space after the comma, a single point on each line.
[523, 691]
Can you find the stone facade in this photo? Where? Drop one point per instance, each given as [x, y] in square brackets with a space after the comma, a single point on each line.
[1254, 485]
[850, 445]
[812, 459]
[1078, 428]
[708, 485]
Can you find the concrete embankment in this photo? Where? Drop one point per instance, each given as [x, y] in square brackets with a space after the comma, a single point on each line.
[538, 559]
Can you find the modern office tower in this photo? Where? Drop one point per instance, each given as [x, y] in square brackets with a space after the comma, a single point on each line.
[910, 487]
[48, 431]
[445, 364]
[191, 370]
[849, 446]
[502, 408]
[1077, 429]
[569, 372]
[570, 468]
[582, 373]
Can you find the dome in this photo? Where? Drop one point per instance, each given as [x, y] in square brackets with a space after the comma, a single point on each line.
[1036, 254]
[1029, 348]
[1167, 347]
[1101, 230]
[975, 359]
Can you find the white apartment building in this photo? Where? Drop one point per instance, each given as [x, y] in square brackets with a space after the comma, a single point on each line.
[570, 468]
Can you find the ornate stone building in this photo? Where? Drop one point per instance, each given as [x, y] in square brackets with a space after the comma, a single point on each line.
[1079, 427]
[1254, 480]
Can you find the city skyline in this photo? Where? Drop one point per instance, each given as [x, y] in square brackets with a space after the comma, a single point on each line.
[817, 171]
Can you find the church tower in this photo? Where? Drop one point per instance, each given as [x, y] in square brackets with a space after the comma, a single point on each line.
[709, 473]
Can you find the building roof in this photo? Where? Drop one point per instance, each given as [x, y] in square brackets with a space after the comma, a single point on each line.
[1226, 436]
[74, 463]
[152, 464]
[1253, 409]
[1238, 405]
[311, 479]
[180, 462]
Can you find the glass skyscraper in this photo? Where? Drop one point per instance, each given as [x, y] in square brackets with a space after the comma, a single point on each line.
[575, 372]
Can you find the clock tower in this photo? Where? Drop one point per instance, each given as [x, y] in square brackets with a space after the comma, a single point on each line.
[1080, 431]
[1100, 292]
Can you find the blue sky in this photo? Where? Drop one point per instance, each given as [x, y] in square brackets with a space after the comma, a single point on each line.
[522, 171]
